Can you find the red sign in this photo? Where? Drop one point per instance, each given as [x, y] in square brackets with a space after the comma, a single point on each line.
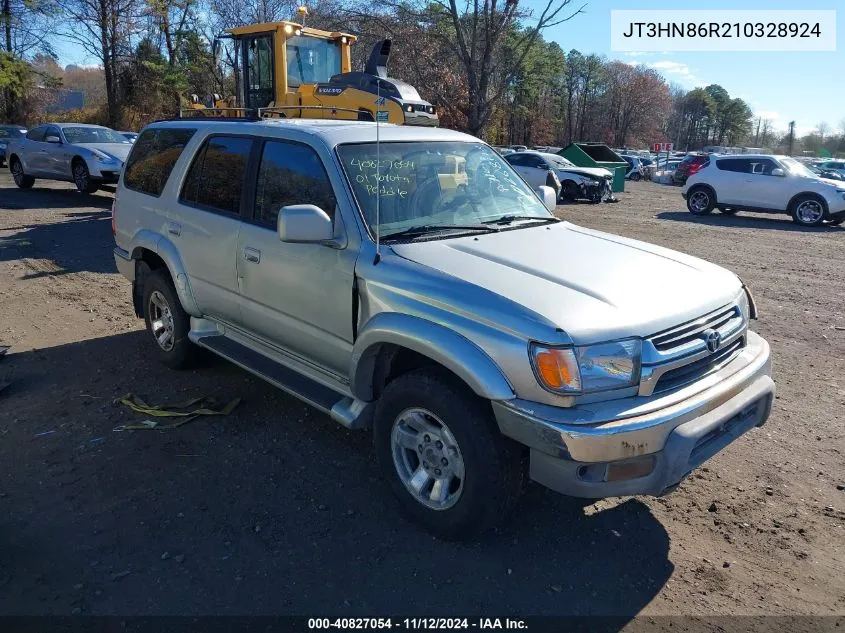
[662, 147]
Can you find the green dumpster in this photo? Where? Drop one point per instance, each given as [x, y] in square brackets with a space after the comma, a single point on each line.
[598, 155]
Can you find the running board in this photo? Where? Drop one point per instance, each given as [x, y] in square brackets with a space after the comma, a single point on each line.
[350, 412]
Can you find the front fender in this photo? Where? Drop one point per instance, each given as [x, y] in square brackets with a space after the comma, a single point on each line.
[444, 346]
[164, 248]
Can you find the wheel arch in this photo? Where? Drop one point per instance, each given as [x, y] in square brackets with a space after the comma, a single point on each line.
[154, 250]
[794, 199]
[704, 185]
[392, 344]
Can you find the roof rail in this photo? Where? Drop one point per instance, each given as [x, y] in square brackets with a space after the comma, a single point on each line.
[269, 111]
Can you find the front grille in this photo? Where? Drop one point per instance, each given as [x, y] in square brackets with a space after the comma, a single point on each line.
[686, 374]
[681, 335]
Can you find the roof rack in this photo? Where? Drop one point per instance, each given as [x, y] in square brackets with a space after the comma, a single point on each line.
[256, 114]
[269, 111]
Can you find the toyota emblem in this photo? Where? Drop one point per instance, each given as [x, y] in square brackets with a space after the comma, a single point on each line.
[713, 339]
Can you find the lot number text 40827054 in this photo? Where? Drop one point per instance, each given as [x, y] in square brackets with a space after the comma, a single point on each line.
[418, 624]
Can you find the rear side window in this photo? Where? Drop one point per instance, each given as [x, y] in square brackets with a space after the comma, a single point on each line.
[741, 165]
[290, 173]
[152, 159]
[216, 178]
[36, 134]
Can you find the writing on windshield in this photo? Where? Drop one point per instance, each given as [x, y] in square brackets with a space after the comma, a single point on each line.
[444, 183]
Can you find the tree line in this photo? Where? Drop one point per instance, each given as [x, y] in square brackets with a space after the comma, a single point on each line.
[485, 64]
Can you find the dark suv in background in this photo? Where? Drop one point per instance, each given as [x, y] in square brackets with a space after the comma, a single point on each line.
[688, 167]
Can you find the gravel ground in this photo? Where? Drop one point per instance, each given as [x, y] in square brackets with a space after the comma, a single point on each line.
[275, 509]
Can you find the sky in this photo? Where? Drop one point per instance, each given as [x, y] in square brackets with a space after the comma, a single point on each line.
[805, 87]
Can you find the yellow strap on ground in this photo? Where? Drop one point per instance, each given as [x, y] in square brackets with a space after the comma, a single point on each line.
[182, 410]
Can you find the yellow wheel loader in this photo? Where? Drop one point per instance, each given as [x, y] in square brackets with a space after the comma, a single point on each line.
[284, 69]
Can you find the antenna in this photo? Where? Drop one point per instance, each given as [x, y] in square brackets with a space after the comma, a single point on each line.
[377, 258]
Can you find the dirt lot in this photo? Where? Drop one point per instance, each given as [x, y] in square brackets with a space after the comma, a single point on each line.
[278, 510]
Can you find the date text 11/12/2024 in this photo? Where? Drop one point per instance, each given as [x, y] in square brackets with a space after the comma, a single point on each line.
[417, 624]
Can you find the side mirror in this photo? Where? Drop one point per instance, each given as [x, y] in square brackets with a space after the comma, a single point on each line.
[304, 223]
[52, 138]
[547, 194]
[777, 171]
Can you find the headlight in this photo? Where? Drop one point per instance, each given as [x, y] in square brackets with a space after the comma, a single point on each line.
[743, 305]
[588, 368]
[102, 156]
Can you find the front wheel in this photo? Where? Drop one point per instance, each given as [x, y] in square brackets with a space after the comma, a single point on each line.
[808, 210]
[21, 179]
[82, 178]
[635, 176]
[446, 463]
[569, 191]
[700, 201]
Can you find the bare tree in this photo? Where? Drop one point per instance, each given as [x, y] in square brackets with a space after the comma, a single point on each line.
[103, 29]
[823, 128]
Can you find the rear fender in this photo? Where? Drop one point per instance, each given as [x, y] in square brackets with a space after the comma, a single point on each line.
[164, 248]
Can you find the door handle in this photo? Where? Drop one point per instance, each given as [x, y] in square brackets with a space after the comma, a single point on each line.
[252, 255]
[174, 228]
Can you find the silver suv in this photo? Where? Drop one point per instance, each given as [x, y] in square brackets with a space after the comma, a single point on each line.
[420, 287]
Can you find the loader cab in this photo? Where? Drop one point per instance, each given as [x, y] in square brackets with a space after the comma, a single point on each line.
[279, 58]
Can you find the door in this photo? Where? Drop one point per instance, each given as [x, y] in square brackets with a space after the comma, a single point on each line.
[34, 159]
[53, 154]
[766, 190]
[297, 296]
[259, 71]
[531, 167]
[207, 220]
[730, 185]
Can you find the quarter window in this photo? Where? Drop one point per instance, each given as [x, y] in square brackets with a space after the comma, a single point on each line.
[152, 159]
[290, 173]
[216, 177]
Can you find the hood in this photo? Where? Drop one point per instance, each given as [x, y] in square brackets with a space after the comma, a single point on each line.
[599, 172]
[117, 150]
[839, 184]
[594, 286]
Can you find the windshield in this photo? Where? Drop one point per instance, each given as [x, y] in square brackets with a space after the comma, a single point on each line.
[76, 135]
[435, 183]
[795, 167]
[311, 60]
[559, 161]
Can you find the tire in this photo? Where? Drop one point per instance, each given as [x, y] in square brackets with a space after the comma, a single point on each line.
[21, 179]
[82, 177]
[163, 314]
[569, 191]
[700, 200]
[429, 427]
[808, 210]
[635, 176]
[728, 210]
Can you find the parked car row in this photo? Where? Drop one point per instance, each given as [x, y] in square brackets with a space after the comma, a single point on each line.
[7, 134]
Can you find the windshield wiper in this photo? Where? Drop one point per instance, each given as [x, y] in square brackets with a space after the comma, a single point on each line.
[510, 219]
[434, 228]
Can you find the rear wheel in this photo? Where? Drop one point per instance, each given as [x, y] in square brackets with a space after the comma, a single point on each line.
[446, 463]
[82, 177]
[635, 176]
[808, 210]
[167, 322]
[700, 201]
[21, 179]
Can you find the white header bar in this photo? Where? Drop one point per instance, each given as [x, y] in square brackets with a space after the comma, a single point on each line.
[717, 30]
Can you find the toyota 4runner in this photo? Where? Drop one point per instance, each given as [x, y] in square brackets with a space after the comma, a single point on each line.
[482, 339]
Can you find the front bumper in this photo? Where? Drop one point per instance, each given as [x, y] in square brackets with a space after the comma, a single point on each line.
[105, 172]
[591, 450]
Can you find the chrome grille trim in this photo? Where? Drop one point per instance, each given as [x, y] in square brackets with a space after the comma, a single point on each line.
[689, 373]
[684, 344]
